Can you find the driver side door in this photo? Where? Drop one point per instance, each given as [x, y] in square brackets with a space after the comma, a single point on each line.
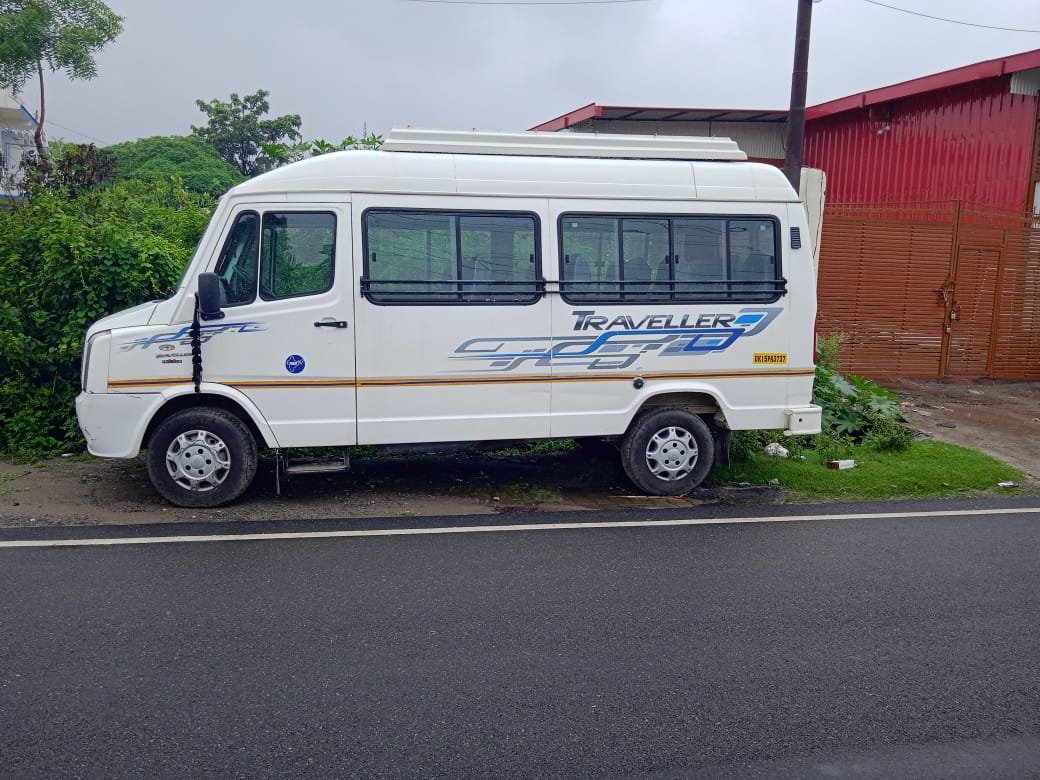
[286, 340]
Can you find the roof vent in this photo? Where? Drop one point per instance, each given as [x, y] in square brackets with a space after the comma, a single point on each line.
[1026, 82]
[535, 144]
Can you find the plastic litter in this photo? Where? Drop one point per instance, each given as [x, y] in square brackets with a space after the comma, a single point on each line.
[776, 450]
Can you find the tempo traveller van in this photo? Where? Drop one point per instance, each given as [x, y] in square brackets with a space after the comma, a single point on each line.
[655, 292]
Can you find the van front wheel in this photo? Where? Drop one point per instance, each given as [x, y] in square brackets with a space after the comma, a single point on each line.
[201, 458]
[667, 452]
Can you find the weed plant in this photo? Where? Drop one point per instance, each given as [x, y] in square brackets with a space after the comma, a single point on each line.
[857, 413]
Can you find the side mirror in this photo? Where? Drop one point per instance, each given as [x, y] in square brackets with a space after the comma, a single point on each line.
[209, 297]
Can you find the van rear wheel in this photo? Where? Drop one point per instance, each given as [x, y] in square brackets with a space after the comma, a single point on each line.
[202, 458]
[667, 452]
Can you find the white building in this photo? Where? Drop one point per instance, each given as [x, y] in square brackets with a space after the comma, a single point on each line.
[17, 126]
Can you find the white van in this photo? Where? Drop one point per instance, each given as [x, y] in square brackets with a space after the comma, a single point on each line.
[655, 292]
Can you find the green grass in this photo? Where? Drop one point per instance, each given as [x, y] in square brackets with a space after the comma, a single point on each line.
[927, 470]
[541, 447]
[8, 476]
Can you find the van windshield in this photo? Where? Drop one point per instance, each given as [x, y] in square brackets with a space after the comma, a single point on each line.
[237, 267]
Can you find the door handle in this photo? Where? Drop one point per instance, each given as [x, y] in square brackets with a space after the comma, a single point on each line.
[331, 324]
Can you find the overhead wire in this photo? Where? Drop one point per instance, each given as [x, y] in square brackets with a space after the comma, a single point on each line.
[77, 132]
[950, 21]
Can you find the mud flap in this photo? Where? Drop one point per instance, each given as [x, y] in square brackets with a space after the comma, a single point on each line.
[722, 439]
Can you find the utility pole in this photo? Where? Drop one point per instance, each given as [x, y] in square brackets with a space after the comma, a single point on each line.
[795, 140]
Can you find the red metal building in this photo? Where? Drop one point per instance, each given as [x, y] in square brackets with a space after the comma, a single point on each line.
[930, 260]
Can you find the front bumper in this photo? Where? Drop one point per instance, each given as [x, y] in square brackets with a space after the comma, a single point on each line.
[114, 423]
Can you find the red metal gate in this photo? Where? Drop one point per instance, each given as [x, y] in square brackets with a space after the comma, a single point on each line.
[932, 290]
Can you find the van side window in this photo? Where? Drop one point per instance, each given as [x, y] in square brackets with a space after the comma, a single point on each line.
[297, 254]
[440, 257]
[238, 261]
[650, 258]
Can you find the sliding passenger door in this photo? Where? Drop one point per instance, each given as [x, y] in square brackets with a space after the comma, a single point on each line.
[453, 336]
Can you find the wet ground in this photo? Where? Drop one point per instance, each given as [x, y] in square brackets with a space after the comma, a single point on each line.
[74, 491]
[1000, 418]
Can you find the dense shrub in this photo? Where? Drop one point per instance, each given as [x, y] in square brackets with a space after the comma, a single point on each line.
[744, 445]
[64, 262]
[69, 168]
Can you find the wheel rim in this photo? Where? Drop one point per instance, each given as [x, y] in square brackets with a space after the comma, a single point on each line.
[671, 454]
[198, 460]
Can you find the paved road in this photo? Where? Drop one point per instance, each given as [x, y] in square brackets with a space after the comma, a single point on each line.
[855, 648]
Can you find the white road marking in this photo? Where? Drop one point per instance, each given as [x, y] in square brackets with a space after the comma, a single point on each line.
[484, 529]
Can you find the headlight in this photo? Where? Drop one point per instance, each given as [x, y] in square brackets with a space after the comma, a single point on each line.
[84, 368]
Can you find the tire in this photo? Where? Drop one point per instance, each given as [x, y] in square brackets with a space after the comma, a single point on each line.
[667, 452]
[202, 457]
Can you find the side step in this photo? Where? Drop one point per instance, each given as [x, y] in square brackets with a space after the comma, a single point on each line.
[316, 465]
[286, 465]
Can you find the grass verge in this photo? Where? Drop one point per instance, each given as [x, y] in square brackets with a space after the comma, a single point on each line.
[928, 469]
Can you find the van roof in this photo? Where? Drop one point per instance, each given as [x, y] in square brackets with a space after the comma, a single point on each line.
[481, 164]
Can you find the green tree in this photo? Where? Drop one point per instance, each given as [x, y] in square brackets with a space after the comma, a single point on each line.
[238, 131]
[64, 35]
[188, 157]
[288, 153]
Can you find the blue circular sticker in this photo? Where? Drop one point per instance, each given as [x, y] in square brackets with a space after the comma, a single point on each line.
[295, 364]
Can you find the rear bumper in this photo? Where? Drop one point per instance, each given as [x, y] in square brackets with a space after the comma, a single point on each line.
[804, 420]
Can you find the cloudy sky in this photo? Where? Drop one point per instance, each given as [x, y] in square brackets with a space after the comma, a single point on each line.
[347, 64]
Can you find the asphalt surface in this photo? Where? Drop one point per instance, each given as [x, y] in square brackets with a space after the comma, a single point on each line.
[850, 648]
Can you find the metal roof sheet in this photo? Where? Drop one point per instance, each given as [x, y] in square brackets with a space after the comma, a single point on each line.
[944, 80]
[1015, 63]
[657, 114]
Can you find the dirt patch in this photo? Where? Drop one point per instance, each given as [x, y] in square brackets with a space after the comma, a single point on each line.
[88, 491]
[1001, 419]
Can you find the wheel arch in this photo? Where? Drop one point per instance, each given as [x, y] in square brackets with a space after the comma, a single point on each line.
[700, 402]
[238, 405]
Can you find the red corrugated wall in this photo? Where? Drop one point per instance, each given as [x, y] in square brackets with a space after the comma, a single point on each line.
[972, 142]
